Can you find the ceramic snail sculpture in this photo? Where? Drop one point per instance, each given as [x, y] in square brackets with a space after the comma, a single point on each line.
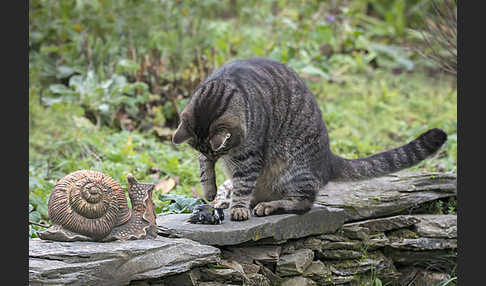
[90, 206]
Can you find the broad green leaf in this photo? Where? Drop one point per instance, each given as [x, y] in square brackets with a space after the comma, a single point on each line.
[60, 89]
[180, 203]
[52, 100]
[65, 71]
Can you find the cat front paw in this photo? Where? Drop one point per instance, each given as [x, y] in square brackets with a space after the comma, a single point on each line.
[264, 209]
[239, 213]
[209, 191]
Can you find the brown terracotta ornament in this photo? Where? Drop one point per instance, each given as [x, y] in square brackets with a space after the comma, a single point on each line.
[90, 206]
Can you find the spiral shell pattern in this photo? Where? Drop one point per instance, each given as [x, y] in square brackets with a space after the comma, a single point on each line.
[89, 203]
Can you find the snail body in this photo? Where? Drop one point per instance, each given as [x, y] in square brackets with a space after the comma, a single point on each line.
[90, 206]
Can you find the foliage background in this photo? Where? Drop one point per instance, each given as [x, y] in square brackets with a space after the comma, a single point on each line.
[107, 79]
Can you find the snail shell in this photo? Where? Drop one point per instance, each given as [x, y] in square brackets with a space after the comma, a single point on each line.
[88, 202]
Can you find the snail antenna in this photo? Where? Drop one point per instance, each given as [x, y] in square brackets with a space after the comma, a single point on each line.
[131, 179]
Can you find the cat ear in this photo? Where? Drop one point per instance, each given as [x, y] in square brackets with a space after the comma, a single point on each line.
[181, 134]
[219, 140]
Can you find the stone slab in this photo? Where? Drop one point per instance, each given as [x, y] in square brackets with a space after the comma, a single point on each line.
[440, 226]
[421, 277]
[387, 195]
[248, 254]
[318, 220]
[114, 263]
[385, 224]
[424, 243]
[295, 263]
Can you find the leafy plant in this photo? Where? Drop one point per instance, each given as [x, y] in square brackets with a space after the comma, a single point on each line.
[102, 99]
[374, 280]
[179, 203]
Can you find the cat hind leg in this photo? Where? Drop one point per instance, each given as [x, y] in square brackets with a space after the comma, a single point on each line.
[297, 205]
[298, 195]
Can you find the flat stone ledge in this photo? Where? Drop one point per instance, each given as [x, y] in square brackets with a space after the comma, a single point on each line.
[385, 224]
[114, 263]
[318, 220]
[425, 243]
[387, 195]
[440, 226]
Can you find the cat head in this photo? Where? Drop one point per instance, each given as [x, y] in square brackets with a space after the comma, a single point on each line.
[213, 121]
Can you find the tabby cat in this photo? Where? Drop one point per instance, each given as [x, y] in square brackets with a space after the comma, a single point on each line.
[259, 117]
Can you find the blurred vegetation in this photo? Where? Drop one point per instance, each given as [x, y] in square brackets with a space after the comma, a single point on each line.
[108, 78]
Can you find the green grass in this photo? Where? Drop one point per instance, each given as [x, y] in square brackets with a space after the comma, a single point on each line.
[370, 114]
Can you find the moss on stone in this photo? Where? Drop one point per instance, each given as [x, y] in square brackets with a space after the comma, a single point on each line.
[400, 234]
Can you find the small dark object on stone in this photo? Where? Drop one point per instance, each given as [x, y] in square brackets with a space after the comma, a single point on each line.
[207, 214]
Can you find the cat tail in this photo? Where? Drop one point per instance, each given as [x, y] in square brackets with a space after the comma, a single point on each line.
[390, 161]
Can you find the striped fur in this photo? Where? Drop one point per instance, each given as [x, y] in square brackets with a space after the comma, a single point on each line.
[276, 147]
